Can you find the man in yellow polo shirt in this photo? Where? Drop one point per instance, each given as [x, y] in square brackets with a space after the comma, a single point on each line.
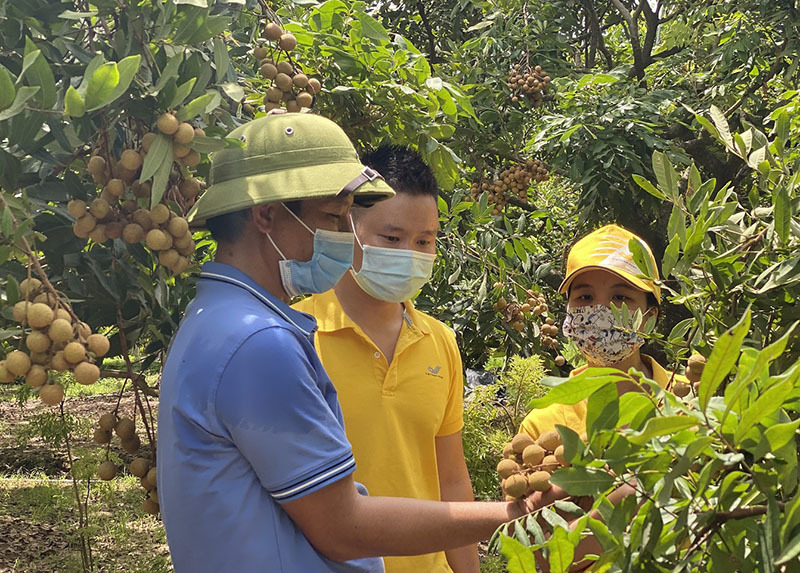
[601, 272]
[397, 370]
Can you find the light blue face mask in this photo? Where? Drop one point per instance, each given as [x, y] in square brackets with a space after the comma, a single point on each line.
[333, 256]
[393, 275]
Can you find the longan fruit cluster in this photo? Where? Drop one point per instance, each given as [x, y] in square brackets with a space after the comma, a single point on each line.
[55, 340]
[116, 213]
[514, 181]
[549, 332]
[290, 87]
[515, 312]
[531, 83]
[694, 372]
[125, 429]
[527, 464]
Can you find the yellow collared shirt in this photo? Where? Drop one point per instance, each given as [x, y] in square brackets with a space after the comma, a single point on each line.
[573, 416]
[393, 413]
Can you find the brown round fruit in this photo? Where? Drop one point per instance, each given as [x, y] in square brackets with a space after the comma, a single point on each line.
[98, 344]
[268, 71]
[314, 85]
[37, 341]
[40, 315]
[549, 441]
[533, 455]
[157, 240]
[133, 233]
[160, 214]
[59, 363]
[96, 165]
[539, 481]
[193, 159]
[52, 394]
[284, 82]
[520, 442]
[178, 227]
[139, 467]
[515, 485]
[508, 451]
[107, 470]
[272, 32]
[60, 330]
[74, 352]
[36, 376]
[559, 454]
[76, 208]
[132, 444]
[107, 421]
[287, 42]
[150, 507]
[20, 311]
[152, 477]
[6, 377]
[168, 124]
[125, 429]
[550, 464]
[304, 99]
[101, 436]
[130, 159]
[680, 389]
[184, 134]
[560, 361]
[168, 258]
[189, 188]
[86, 373]
[18, 363]
[507, 467]
[259, 52]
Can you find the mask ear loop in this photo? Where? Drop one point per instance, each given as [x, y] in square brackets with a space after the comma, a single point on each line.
[276, 247]
[353, 226]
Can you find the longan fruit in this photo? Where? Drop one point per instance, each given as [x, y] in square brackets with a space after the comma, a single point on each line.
[76, 208]
[507, 467]
[168, 258]
[125, 429]
[98, 234]
[74, 352]
[142, 217]
[533, 455]
[189, 188]
[508, 451]
[96, 165]
[160, 214]
[180, 266]
[516, 485]
[550, 464]
[283, 81]
[292, 106]
[192, 159]
[38, 341]
[538, 481]
[47, 298]
[287, 42]
[184, 134]
[520, 442]
[168, 124]
[314, 85]
[36, 376]
[681, 389]
[285, 68]
[274, 94]
[268, 70]
[560, 361]
[179, 151]
[107, 470]
[132, 233]
[157, 240]
[52, 394]
[107, 421]
[132, 444]
[5, 376]
[549, 441]
[84, 225]
[130, 159]
[98, 344]
[559, 454]
[113, 230]
[101, 436]
[178, 227]
[139, 467]
[40, 358]
[20, 311]
[147, 140]
[304, 99]
[152, 477]
[272, 32]
[84, 330]
[86, 373]
[300, 80]
[58, 362]
[150, 507]
[259, 52]
[40, 315]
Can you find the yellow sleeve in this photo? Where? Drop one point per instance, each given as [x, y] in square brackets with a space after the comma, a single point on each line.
[453, 419]
[529, 424]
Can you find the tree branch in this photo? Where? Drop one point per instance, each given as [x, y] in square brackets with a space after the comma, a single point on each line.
[428, 30]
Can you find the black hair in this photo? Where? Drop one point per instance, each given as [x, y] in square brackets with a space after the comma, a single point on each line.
[228, 228]
[403, 169]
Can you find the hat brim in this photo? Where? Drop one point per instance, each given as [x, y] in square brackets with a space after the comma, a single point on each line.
[627, 277]
[295, 184]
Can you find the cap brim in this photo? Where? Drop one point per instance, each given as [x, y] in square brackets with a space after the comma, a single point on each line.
[296, 184]
[627, 277]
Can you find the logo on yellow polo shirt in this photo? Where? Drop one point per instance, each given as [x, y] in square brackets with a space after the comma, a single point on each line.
[434, 371]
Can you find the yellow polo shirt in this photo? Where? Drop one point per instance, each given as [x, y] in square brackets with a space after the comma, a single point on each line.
[573, 416]
[393, 413]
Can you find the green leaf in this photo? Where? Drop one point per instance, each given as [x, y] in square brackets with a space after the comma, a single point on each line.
[764, 406]
[127, 68]
[572, 442]
[7, 90]
[783, 212]
[101, 85]
[73, 103]
[170, 71]
[780, 434]
[789, 552]
[198, 105]
[721, 124]
[207, 144]
[161, 177]
[23, 95]
[520, 558]
[198, 3]
[642, 257]
[578, 480]
[602, 410]
[221, 59]
[12, 290]
[579, 387]
[666, 175]
[596, 80]
[233, 91]
[671, 254]
[371, 28]
[182, 92]
[723, 357]
[561, 551]
[156, 155]
[649, 187]
[38, 73]
[661, 426]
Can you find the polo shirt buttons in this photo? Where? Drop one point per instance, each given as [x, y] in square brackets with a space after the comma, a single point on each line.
[377, 355]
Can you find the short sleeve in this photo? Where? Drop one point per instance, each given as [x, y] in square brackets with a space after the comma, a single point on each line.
[453, 419]
[279, 412]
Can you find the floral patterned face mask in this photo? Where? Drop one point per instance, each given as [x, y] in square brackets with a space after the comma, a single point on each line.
[599, 337]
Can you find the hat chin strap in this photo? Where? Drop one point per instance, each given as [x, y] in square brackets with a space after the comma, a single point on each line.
[367, 174]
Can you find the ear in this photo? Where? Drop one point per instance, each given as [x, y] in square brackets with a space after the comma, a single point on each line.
[263, 217]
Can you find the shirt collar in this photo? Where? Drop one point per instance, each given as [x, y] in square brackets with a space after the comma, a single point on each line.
[327, 309]
[222, 272]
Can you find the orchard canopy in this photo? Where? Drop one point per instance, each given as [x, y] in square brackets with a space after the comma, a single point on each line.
[677, 119]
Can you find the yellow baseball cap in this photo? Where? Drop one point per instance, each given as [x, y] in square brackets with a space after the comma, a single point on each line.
[607, 249]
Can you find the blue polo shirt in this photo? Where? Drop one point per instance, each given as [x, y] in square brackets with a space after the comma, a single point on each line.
[248, 419]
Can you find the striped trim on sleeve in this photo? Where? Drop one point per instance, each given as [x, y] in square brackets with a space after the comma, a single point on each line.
[324, 477]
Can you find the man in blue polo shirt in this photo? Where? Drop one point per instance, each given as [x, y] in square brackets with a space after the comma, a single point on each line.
[254, 468]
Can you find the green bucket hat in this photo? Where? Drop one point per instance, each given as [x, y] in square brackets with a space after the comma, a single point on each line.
[286, 157]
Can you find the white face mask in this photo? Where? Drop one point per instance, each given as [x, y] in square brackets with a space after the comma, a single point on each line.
[599, 337]
[392, 275]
